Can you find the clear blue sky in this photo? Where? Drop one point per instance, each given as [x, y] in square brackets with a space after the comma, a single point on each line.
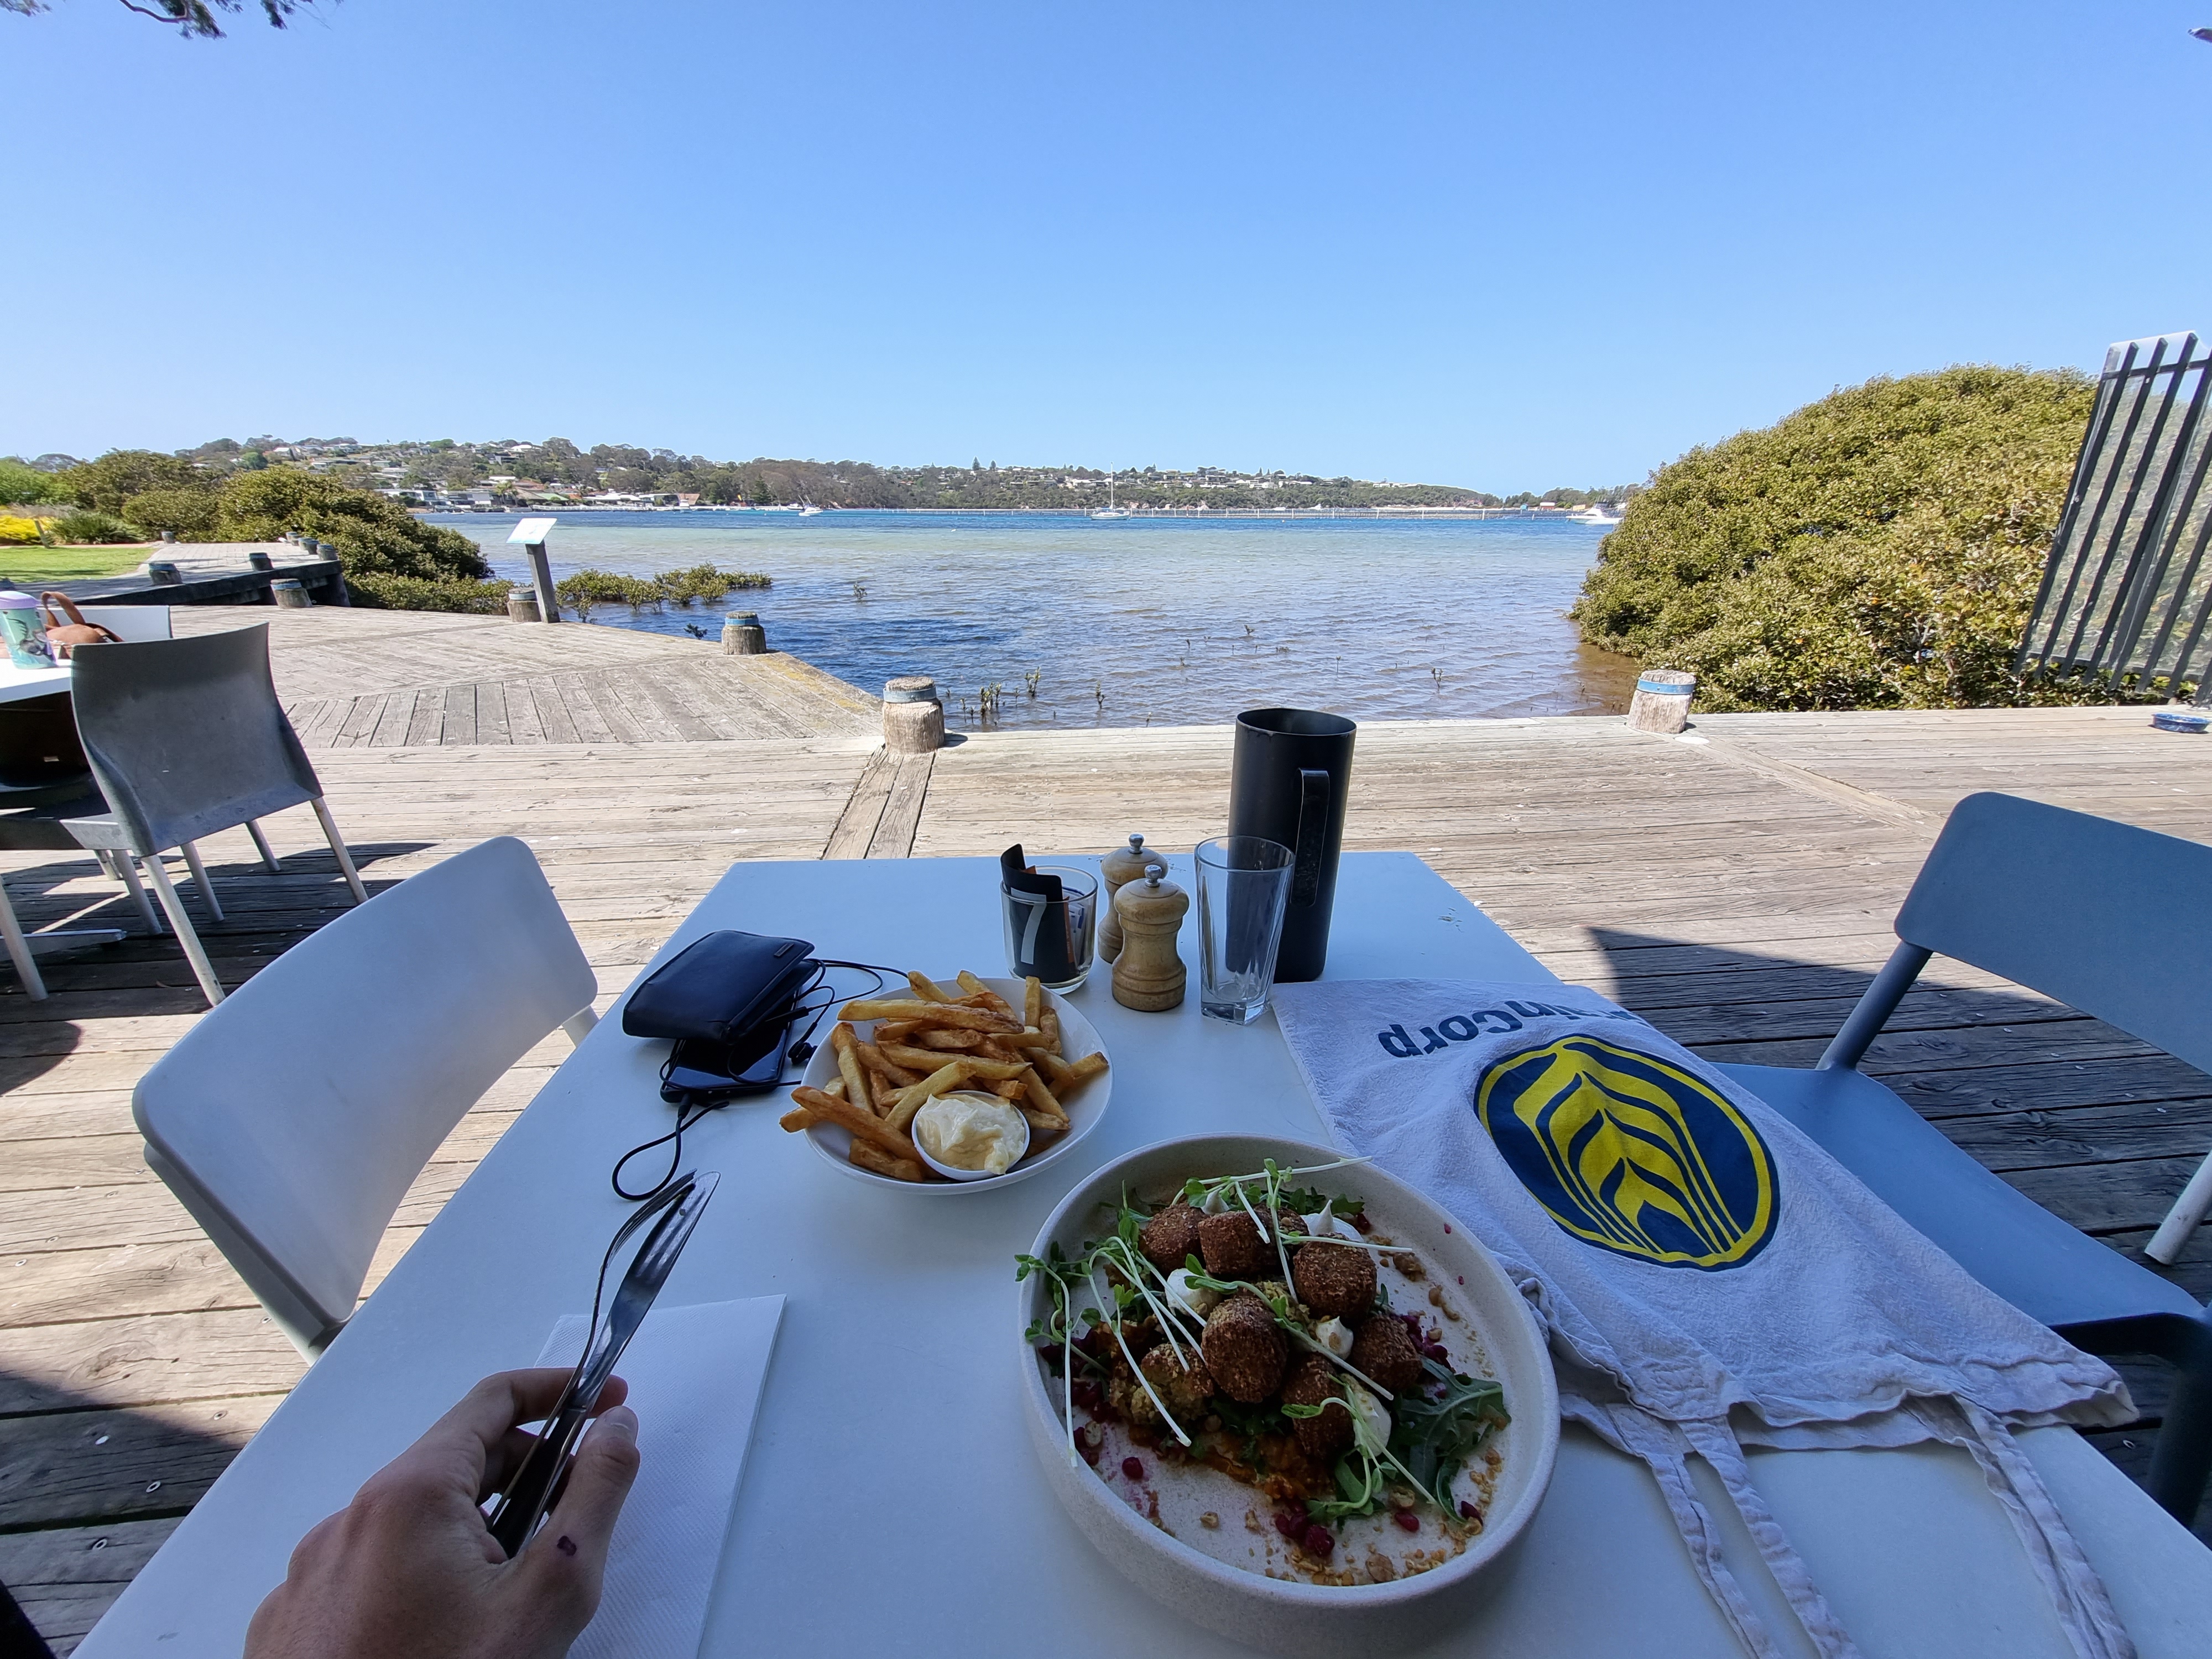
[1504, 245]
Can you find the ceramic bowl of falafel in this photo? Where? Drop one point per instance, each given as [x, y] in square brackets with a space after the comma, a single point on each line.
[1283, 1392]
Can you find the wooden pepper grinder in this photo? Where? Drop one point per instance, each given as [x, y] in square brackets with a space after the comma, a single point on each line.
[1148, 975]
[1117, 869]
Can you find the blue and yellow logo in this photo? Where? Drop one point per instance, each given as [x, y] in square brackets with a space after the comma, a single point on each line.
[1630, 1154]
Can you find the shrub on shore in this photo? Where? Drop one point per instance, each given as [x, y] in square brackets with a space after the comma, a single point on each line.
[18, 532]
[586, 589]
[380, 592]
[80, 528]
[1879, 549]
[374, 535]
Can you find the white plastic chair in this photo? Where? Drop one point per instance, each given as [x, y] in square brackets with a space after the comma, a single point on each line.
[291, 1120]
[131, 622]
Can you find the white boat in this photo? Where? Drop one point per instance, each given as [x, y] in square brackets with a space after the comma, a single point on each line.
[1593, 515]
[807, 507]
[1109, 511]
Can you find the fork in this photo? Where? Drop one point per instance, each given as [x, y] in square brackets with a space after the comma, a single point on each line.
[538, 1480]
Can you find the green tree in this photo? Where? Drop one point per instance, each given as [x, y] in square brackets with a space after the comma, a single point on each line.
[194, 18]
[27, 484]
[1879, 549]
[104, 484]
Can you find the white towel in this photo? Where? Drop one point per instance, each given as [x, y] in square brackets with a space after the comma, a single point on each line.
[695, 1376]
[1708, 1276]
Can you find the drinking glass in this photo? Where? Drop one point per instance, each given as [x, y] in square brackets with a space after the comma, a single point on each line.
[1051, 938]
[1243, 884]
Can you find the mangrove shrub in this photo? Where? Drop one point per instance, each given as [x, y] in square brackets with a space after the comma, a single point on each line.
[1879, 549]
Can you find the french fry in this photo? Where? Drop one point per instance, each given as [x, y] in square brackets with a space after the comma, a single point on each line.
[992, 1049]
[893, 1031]
[1032, 999]
[837, 1089]
[1061, 1074]
[928, 988]
[844, 1044]
[948, 1039]
[981, 992]
[1048, 1023]
[1043, 1130]
[936, 1013]
[1012, 1088]
[1042, 1097]
[828, 1108]
[921, 1061]
[1087, 1067]
[1032, 1038]
[876, 1161]
[946, 1076]
[796, 1119]
[871, 1055]
[994, 1069]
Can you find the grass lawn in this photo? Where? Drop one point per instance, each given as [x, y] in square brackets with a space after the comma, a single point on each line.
[26, 565]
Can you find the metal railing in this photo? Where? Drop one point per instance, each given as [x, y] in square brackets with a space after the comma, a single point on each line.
[2128, 589]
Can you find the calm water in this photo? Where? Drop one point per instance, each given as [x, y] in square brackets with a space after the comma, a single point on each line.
[1135, 621]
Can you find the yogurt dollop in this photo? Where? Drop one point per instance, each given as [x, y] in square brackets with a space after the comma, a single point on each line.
[972, 1131]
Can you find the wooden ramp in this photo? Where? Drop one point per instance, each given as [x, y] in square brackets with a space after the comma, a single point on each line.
[1737, 891]
[387, 679]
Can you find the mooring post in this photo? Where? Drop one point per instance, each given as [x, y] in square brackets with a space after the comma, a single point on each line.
[1662, 704]
[743, 634]
[913, 719]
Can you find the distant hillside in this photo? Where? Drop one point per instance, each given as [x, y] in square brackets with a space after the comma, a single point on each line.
[513, 471]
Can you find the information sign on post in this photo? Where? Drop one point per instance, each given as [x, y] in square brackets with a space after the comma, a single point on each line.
[532, 533]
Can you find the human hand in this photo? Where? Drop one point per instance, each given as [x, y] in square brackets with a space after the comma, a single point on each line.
[409, 1568]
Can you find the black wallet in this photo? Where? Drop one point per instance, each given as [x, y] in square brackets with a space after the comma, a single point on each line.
[719, 988]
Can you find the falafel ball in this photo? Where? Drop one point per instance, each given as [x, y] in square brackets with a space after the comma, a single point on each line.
[1171, 1235]
[1335, 1279]
[1184, 1392]
[1384, 1350]
[1328, 1436]
[1245, 1349]
[1233, 1246]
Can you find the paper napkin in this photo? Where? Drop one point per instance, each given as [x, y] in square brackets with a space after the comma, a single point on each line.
[694, 1378]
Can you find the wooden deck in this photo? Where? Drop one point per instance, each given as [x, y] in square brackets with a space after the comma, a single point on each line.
[1737, 891]
[389, 679]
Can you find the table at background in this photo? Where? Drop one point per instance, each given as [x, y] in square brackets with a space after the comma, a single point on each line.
[891, 1501]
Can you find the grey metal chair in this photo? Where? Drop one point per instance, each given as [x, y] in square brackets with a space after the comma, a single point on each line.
[2113, 920]
[186, 737]
[35, 824]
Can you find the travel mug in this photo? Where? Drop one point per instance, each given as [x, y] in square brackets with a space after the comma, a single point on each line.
[1288, 783]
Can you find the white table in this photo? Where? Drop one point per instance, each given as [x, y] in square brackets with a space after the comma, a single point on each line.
[890, 1438]
[17, 683]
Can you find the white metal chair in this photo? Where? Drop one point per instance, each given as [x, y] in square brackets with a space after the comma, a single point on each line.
[290, 1121]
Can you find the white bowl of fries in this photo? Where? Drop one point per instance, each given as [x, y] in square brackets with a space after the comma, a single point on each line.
[890, 1054]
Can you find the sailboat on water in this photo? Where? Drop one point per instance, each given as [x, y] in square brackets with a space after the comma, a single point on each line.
[1109, 511]
[807, 507]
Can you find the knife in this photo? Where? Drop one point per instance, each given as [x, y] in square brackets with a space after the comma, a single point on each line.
[545, 1468]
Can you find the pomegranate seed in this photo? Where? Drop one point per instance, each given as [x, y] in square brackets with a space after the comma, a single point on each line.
[1467, 1511]
[1133, 1468]
[1360, 1220]
[1406, 1519]
[1447, 1226]
[1437, 1352]
[1319, 1539]
[1290, 1523]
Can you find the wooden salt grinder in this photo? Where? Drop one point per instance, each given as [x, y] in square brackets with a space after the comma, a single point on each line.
[1148, 975]
[1118, 868]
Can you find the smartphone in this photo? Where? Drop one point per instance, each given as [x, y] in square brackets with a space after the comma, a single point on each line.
[702, 1074]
